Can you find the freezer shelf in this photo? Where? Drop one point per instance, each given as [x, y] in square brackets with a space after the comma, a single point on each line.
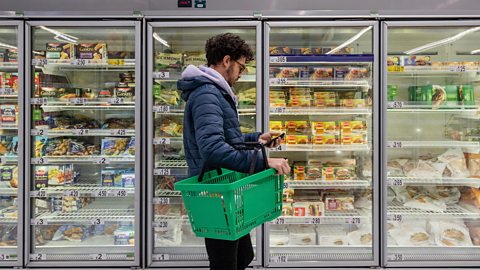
[9, 66]
[284, 254]
[174, 110]
[91, 245]
[85, 217]
[285, 82]
[320, 148]
[83, 132]
[430, 253]
[418, 107]
[172, 76]
[431, 144]
[397, 212]
[415, 181]
[282, 111]
[83, 191]
[441, 70]
[338, 59]
[161, 221]
[319, 184]
[86, 63]
[8, 191]
[330, 217]
[82, 159]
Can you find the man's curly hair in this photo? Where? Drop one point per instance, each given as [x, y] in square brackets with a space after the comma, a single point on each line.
[221, 45]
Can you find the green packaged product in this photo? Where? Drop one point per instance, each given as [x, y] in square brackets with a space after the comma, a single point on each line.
[415, 93]
[392, 92]
[451, 93]
[465, 94]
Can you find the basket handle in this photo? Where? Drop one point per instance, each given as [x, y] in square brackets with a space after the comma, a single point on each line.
[256, 146]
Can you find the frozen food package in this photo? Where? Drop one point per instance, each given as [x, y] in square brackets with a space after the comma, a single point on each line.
[450, 234]
[287, 209]
[285, 72]
[309, 209]
[456, 163]
[427, 203]
[321, 73]
[450, 195]
[364, 200]
[360, 237]
[195, 59]
[366, 166]
[474, 229]
[331, 235]
[339, 202]
[71, 233]
[411, 234]
[357, 73]
[114, 146]
[189, 237]
[302, 235]
[390, 195]
[470, 198]
[427, 169]
[473, 164]
[405, 193]
[130, 149]
[280, 50]
[168, 60]
[279, 238]
[170, 235]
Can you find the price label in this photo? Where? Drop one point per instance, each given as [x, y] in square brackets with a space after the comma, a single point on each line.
[286, 184]
[39, 193]
[116, 100]
[396, 218]
[458, 69]
[7, 92]
[279, 221]
[39, 101]
[118, 132]
[162, 257]
[279, 259]
[161, 109]
[39, 62]
[98, 221]
[78, 101]
[278, 81]
[3, 160]
[39, 132]
[353, 220]
[162, 172]
[163, 200]
[39, 161]
[80, 132]
[121, 193]
[278, 148]
[395, 144]
[395, 182]
[162, 224]
[395, 105]
[3, 257]
[100, 193]
[98, 257]
[39, 221]
[162, 75]
[102, 160]
[38, 257]
[278, 59]
[79, 62]
[72, 193]
[395, 68]
[315, 220]
[279, 110]
[161, 140]
[396, 257]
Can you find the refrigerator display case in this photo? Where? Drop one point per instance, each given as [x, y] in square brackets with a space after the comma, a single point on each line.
[432, 182]
[172, 46]
[322, 93]
[83, 166]
[11, 143]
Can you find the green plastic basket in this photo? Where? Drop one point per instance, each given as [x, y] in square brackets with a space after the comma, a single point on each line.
[230, 205]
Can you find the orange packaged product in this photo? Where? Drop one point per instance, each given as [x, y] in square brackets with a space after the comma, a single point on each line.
[302, 139]
[318, 127]
[330, 127]
[325, 95]
[291, 139]
[353, 138]
[318, 140]
[328, 173]
[346, 127]
[297, 126]
[299, 172]
[276, 126]
[358, 126]
[330, 139]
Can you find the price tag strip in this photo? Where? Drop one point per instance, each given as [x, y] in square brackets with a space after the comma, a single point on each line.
[161, 140]
[161, 75]
[80, 132]
[98, 257]
[162, 172]
[395, 182]
[116, 100]
[39, 101]
[395, 104]
[280, 81]
[162, 200]
[279, 259]
[161, 109]
[395, 144]
[38, 257]
[279, 110]
[161, 257]
[278, 59]
[39, 161]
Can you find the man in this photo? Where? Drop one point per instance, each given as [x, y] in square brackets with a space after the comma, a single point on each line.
[211, 126]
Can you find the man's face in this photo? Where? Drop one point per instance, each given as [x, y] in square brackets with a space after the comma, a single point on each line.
[235, 70]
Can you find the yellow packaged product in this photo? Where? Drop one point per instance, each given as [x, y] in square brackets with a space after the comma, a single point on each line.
[318, 127]
[318, 140]
[330, 127]
[325, 95]
[353, 138]
[276, 125]
[296, 126]
[299, 172]
[287, 209]
[291, 139]
[302, 139]
[330, 139]
[328, 173]
[303, 102]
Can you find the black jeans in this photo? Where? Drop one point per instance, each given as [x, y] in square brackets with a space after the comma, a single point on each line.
[229, 255]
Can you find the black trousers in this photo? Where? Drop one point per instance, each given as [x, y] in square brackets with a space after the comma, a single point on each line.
[229, 255]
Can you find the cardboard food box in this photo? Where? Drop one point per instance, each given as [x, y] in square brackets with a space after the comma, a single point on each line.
[60, 51]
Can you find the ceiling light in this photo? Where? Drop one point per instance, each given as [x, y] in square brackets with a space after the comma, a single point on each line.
[352, 39]
[7, 46]
[475, 51]
[58, 35]
[161, 40]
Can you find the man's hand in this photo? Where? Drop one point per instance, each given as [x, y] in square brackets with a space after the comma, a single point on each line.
[266, 137]
[279, 164]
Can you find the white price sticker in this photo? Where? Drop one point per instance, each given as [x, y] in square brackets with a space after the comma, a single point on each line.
[395, 144]
[3, 160]
[71, 193]
[77, 101]
[39, 132]
[395, 104]
[116, 100]
[118, 132]
[161, 75]
[395, 182]
[102, 160]
[278, 81]
[396, 218]
[38, 257]
[162, 172]
[161, 140]
[162, 257]
[458, 68]
[279, 259]
[161, 109]
[286, 184]
[353, 220]
[4, 257]
[278, 148]
[120, 193]
[39, 101]
[396, 257]
[163, 200]
[100, 193]
[39, 193]
[39, 62]
[39, 221]
[315, 220]
[279, 110]
[98, 257]
[162, 224]
[278, 59]
[7, 91]
[39, 161]
[80, 132]
[97, 221]
[79, 62]
[279, 221]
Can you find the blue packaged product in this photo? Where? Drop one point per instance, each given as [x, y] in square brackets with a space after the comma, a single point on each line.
[108, 177]
[128, 180]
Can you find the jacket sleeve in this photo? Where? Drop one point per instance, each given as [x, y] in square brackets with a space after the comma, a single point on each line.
[252, 137]
[208, 122]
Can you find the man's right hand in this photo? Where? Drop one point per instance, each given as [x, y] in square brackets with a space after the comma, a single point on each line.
[279, 164]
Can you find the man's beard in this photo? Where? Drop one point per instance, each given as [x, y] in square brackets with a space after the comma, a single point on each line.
[229, 76]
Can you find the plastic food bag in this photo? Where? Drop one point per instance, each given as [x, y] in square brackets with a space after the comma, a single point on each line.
[456, 163]
[449, 195]
[449, 234]
[427, 202]
[411, 234]
[360, 237]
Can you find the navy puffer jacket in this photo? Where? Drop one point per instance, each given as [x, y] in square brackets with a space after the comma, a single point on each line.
[210, 126]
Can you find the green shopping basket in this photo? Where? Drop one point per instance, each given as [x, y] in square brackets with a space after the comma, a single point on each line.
[224, 204]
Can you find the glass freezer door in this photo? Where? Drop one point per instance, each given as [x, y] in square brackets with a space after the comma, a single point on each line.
[433, 143]
[321, 81]
[11, 144]
[83, 121]
[174, 46]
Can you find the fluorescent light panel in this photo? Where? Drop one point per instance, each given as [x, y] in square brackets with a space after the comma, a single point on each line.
[7, 46]
[352, 39]
[60, 36]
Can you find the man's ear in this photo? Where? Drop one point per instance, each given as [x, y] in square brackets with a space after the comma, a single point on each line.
[226, 61]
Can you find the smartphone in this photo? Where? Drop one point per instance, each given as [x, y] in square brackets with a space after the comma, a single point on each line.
[269, 143]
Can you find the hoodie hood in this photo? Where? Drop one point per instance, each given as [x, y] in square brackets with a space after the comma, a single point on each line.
[193, 77]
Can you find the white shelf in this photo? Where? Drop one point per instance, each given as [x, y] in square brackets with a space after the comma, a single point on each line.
[317, 111]
[415, 181]
[175, 110]
[167, 197]
[8, 127]
[167, 140]
[8, 191]
[412, 70]
[286, 82]
[86, 63]
[83, 191]
[432, 253]
[83, 159]
[8, 65]
[161, 221]
[83, 132]
[407, 107]
[396, 211]
[318, 253]
[316, 184]
[320, 148]
[431, 144]
[85, 216]
[8, 93]
[330, 217]
[172, 163]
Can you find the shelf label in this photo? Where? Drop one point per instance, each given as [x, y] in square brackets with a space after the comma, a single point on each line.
[162, 172]
[278, 80]
[163, 200]
[102, 160]
[279, 259]
[286, 184]
[395, 144]
[78, 101]
[38, 193]
[40, 62]
[315, 220]
[162, 224]
[278, 59]
[395, 182]
[79, 62]
[4, 257]
[278, 148]
[395, 68]
[38, 257]
[7, 91]
[39, 132]
[39, 221]
[39, 161]
[119, 193]
[98, 257]
[458, 68]
[279, 221]
[161, 140]
[279, 110]
[161, 109]
[3, 160]
[162, 257]
[118, 132]
[353, 220]
[71, 193]
[395, 104]
[39, 101]
[80, 132]
[98, 221]
[396, 257]
[116, 100]
[395, 217]
[161, 75]
[100, 193]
